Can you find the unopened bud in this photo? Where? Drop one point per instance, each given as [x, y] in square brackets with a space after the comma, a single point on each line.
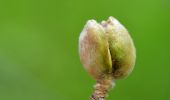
[106, 49]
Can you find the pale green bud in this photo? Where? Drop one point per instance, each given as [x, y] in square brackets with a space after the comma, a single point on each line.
[106, 49]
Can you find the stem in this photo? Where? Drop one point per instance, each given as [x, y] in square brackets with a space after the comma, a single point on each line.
[101, 88]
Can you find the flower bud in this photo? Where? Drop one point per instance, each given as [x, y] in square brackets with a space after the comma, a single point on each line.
[106, 49]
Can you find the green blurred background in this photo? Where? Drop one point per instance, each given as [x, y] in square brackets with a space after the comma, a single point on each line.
[39, 48]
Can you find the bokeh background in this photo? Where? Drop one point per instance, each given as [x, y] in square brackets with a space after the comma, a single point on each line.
[39, 48]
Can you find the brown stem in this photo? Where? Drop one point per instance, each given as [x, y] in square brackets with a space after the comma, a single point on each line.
[101, 88]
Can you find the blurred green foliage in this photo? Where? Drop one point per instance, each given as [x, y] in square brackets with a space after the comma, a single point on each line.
[39, 48]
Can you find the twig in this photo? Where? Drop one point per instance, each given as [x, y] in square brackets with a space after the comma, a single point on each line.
[102, 87]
